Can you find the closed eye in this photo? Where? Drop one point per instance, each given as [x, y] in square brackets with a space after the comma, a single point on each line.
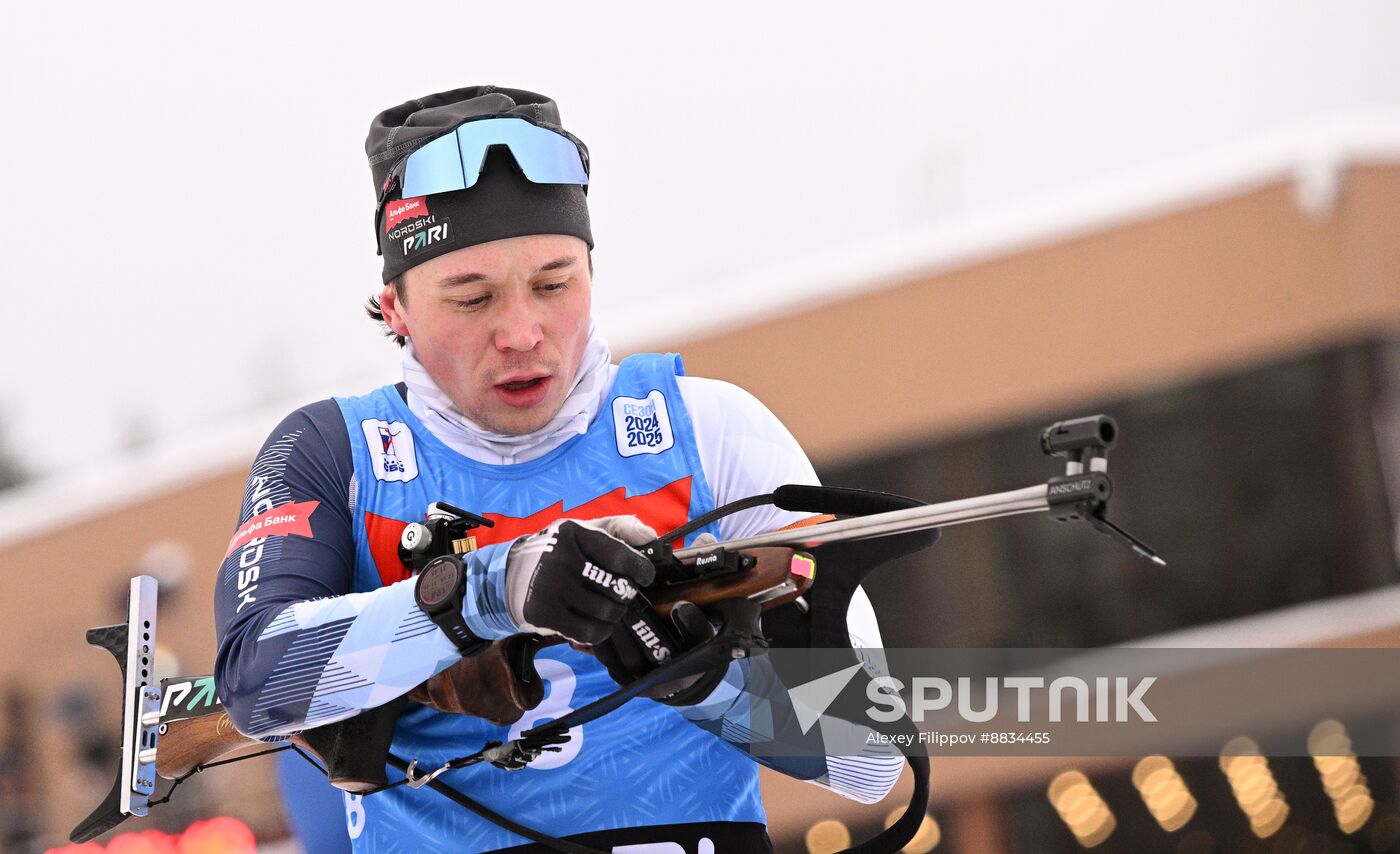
[474, 302]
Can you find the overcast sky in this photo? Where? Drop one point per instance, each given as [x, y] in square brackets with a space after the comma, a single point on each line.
[187, 233]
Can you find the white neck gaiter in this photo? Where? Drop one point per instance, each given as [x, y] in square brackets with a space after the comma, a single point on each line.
[461, 434]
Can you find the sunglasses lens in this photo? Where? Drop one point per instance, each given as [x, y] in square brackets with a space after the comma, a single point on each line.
[454, 162]
[544, 156]
[435, 168]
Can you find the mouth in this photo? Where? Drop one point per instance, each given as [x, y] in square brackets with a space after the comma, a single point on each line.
[524, 390]
[522, 382]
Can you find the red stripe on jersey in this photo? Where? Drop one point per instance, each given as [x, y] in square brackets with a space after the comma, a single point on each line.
[664, 509]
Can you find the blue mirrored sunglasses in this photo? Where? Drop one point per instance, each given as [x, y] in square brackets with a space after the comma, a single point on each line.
[454, 161]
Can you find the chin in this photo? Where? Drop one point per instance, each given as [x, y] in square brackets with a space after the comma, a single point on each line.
[517, 423]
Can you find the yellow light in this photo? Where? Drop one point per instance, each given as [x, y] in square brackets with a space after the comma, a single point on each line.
[1149, 765]
[1064, 781]
[1255, 789]
[1354, 812]
[1242, 747]
[1269, 818]
[1164, 792]
[1324, 734]
[1338, 772]
[1084, 811]
[1341, 775]
[1100, 833]
[1254, 786]
[827, 837]
[1081, 808]
[1179, 819]
[928, 837]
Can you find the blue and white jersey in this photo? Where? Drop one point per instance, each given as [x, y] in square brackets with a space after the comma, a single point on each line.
[637, 457]
[317, 621]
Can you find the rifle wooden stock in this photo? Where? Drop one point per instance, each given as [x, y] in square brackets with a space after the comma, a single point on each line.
[500, 684]
[189, 743]
[352, 750]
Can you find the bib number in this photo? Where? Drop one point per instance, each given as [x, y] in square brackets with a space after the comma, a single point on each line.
[354, 814]
[561, 680]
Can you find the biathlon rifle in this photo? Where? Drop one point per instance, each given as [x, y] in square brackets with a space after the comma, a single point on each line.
[177, 728]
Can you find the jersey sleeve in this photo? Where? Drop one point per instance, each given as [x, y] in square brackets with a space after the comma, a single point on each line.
[296, 647]
[746, 450]
[304, 470]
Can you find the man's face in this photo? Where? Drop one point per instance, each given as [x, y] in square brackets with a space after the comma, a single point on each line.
[500, 327]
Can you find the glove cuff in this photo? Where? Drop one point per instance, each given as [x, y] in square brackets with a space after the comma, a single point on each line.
[484, 606]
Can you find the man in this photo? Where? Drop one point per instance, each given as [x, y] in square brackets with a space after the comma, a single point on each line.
[511, 408]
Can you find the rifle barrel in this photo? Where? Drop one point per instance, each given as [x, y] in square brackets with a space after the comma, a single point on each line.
[1028, 500]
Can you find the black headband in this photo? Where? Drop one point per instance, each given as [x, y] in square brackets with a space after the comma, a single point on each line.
[503, 203]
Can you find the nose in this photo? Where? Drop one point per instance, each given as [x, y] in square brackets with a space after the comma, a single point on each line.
[519, 327]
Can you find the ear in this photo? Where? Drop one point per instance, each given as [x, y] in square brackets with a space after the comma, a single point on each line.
[392, 311]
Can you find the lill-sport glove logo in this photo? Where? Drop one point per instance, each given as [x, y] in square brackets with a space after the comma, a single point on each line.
[576, 579]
